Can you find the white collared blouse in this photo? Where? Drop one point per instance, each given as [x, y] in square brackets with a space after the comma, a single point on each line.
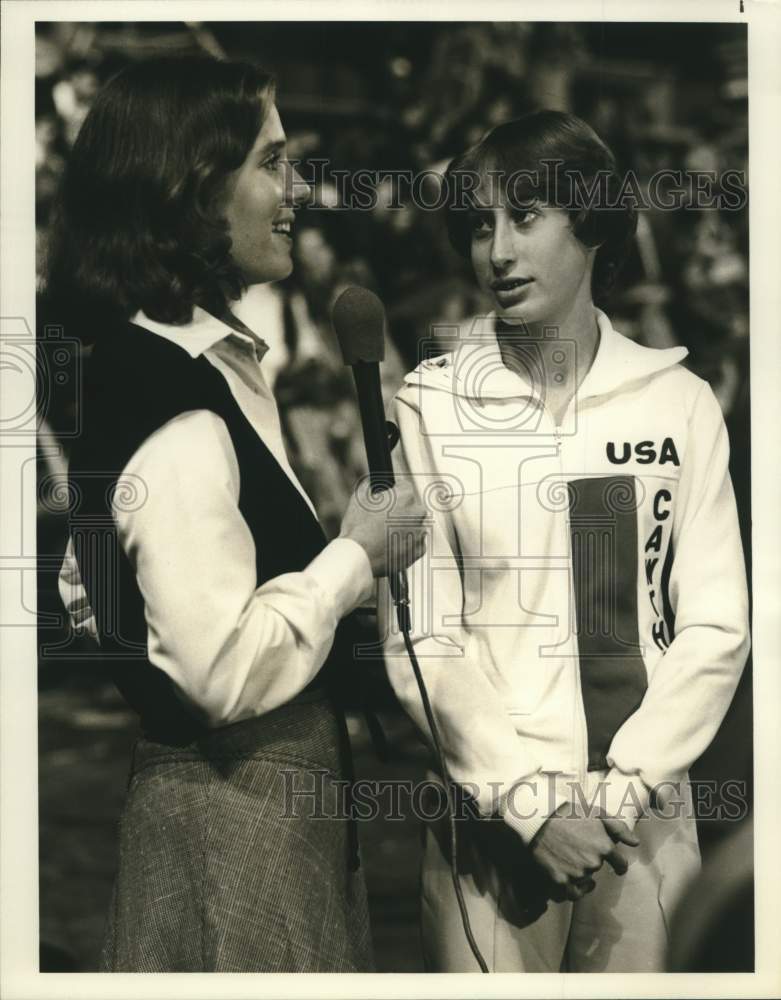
[233, 650]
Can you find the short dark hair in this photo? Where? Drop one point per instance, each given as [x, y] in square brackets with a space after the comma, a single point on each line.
[555, 157]
[137, 224]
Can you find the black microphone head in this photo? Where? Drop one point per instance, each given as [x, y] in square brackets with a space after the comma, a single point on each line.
[358, 317]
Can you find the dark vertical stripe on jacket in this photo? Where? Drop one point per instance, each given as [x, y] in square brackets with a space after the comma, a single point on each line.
[603, 525]
[667, 609]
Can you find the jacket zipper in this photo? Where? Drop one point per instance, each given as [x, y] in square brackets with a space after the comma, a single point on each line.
[580, 710]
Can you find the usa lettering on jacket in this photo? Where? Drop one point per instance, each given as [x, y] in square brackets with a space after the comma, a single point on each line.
[645, 452]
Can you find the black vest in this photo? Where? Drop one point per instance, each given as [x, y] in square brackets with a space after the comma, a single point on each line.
[136, 381]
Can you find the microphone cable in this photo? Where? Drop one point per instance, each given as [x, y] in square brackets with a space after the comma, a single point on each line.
[401, 603]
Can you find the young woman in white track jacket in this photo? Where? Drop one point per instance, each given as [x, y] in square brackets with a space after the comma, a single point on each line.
[580, 615]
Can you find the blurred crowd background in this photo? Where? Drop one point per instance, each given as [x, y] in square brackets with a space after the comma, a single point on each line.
[390, 96]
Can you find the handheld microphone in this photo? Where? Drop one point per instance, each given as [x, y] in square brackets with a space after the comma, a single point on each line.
[359, 322]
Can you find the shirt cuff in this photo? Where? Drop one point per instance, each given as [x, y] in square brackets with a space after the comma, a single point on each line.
[529, 803]
[626, 796]
[343, 572]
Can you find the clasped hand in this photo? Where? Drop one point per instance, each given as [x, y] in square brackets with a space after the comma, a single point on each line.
[571, 848]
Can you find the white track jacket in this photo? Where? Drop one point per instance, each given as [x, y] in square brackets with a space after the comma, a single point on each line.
[582, 602]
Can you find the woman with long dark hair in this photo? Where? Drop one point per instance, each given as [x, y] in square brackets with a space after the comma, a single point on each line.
[196, 559]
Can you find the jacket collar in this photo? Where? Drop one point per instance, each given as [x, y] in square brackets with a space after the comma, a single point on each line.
[475, 369]
[201, 333]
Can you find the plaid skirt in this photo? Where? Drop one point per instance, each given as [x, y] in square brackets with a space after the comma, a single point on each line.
[234, 853]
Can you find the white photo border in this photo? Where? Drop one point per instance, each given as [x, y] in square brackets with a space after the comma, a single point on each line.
[19, 939]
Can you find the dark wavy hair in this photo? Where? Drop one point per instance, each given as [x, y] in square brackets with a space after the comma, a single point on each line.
[559, 159]
[137, 223]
